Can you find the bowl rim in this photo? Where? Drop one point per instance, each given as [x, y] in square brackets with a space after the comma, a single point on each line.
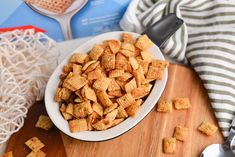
[49, 97]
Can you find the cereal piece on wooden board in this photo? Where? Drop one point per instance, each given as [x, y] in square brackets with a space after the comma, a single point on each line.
[34, 144]
[111, 115]
[62, 94]
[108, 61]
[169, 145]
[155, 73]
[180, 133]
[78, 58]
[102, 84]
[127, 38]
[121, 112]
[110, 108]
[96, 52]
[143, 42]
[78, 125]
[132, 109]
[164, 106]
[95, 74]
[75, 82]
[44, 122]
[115, 93]
[114, 45]
[181, 103]
[116, 73]
[69, 109]
[160, 63]
[7, 154]
[77, 69]
[83, 109]
[131, 85]
[89, 93]
[126, 100]
[104, 98]
[121, 61]
[117, 121]
[134, 63]
[207, 128]
[36, 154]
[147, 56]
[113, 85]
[103, 124]
[98, 108]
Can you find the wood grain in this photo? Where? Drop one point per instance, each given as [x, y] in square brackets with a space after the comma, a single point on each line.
[145, 140]
[52, 139]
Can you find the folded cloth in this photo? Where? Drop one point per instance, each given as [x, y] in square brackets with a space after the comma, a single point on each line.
[206, 41]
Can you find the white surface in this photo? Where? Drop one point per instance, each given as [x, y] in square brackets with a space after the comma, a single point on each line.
[52, 107]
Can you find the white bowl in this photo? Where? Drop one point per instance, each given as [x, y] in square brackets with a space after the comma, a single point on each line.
[52, 107]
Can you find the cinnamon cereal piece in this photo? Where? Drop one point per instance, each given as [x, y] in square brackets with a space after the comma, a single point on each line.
[126, 100]
[207, 128]
[108, 61]
[147, 56]
[78, 58]
[144, 64]
[121, 61]
[128, 46]
[113, 85]
[180, 133]
[98, 109]
[127, 38]
[96, 52]
[164, 106]
[141, 91]
[127, 53]
[110, 108]
[103, 124]
[181, 103]
[117, 121]
[133, 63]
[95, 74]
[102, 84]
[62, 94]
[133, 109]
[154, 73]
[77, 69]
[143, 42]
[36, 154]
[114, 45]
[78, 125]
[160, 63]
[34, 144]
[130, 85]
[91, 67]
[125, 76]
[111, 115]
[69, 109]
[75, 82]
[169, 145]
[121, 112]
[115, 93]
[104, 98]
[116, 73]
[83, 109]
[44, 122]
[89, 93]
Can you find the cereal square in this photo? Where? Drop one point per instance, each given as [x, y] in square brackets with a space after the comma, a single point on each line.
[207, 128]
[154, 73]
[78, 125]
[108, 61]
[131, 85]
[147, 56]
[143, 42]
[127, 38]
[36, 154]
[169, 145]
[96, 52]
[78, 58]
[114, 45]
[164, 106]
[132, 109]
[102, 84]
[104, 98]
[82, 109]
[44, 122]
[160, 63]
[180, 133]
[98, 109]
[181, 103]
[126, 100]
[116, 73]
[34, 144]
[75, 82]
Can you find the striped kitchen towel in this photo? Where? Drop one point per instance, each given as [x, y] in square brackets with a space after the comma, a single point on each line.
[206, 41]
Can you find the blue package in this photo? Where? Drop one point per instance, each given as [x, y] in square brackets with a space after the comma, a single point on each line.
[97, 16]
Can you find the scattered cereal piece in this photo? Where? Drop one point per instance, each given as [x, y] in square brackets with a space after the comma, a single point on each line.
[180, 133]
[78, 58]
[143, 42]
[164, 106]
[126, 100]
[7, 154]
[181, 103]
[34, 144]
[169, 145]
[102, 84]
[96, 52]
[36, 154]
[98, 108]
[207, 128]
[44, 122]
[78, 125]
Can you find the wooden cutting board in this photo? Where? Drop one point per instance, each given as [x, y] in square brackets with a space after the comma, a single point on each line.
[145, 139]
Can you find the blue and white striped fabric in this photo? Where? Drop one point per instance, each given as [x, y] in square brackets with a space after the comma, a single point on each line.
[206, 41]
